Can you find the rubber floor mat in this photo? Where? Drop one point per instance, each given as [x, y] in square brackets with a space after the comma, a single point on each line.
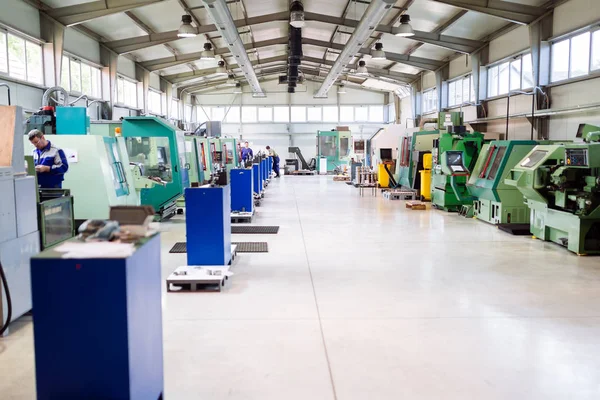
[252, 247]
[180, 247]
[266, 230]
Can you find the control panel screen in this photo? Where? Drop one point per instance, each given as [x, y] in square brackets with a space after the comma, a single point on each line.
[454, 158]
[576, 157]
[533, 158]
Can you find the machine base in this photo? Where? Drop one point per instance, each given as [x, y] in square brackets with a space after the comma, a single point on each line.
[516, 229]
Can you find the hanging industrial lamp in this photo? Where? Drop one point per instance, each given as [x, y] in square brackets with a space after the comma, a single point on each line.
[342, 89]
[208, 53]
[297, 14]
[238, 88]
[231, 80]
[378, 53]
[362, 68]
[404, 30]
[221, 69]
[186, 30]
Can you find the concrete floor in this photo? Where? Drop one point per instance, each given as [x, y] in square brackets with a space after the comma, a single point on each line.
[361, 298]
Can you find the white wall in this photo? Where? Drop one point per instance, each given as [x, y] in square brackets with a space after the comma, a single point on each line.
[511, 43]
[126, 67]
[21, 16]
[575, 14]
[81, 45]
[428, 80]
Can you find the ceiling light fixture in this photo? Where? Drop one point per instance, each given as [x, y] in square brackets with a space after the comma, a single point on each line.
[186, 30]
[238, 88]
[342, 89]
[362, 68]
[221, 16]
[373, 15]
[221, 69]
[208, 53]
[404, 30]
[297, 14]
[378, 53]
[231, 80]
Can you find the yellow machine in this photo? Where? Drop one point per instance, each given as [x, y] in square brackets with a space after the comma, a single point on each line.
[426, 177]
[383, 178]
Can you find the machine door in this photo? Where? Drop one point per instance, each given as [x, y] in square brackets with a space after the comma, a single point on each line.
[116, 167]
[181, 150]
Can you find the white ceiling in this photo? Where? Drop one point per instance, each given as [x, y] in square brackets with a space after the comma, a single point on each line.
[426, 15]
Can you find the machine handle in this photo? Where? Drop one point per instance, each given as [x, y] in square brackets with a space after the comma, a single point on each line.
[187, 166]
[176, 169]
[121, 171]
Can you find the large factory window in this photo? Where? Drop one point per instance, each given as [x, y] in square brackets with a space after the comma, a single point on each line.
[154, 101]
[216, 113]
[281, 114]
[313, 114]
[20, 58]
[232, 115]
[298, 113]
[376, 114]
[361, 114]
[514, 74]
[80, 77]
[575, 56]
[430, 99]
[175, 109]
[346, 114]
[265, 114]
[461, 91]
[126, 92]
[596, 51]
[330, 114]
[249, 114]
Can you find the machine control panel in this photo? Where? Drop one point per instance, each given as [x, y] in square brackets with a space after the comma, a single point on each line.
[576, 157]
[454, 160]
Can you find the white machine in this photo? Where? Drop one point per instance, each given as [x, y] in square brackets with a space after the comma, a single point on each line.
[19, 236]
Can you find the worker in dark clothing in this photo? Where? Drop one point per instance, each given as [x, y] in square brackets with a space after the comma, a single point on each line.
[247, 153]
[50, 161]
[275, 156]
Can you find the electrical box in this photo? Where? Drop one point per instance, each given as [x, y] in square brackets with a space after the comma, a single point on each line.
[72, 121]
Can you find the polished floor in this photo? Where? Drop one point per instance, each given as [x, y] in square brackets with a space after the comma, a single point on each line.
[360, 298]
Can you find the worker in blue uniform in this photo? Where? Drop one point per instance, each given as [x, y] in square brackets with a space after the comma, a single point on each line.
[275, 156]
[50, 161]
[247, 154]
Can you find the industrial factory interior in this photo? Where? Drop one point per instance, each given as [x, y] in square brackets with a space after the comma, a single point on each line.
[299, 199]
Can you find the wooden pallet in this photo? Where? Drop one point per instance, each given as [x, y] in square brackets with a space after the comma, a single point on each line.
[416, 205]
[341, 178]
[198, 279]
[399, 195]
[303, 172]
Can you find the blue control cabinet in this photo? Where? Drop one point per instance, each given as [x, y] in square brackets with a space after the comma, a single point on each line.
[208, 225]
[242, 199]
[256, 176]
[269, 166]
[98, 325]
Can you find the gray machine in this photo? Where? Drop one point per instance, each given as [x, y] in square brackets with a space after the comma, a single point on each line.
[19, 236]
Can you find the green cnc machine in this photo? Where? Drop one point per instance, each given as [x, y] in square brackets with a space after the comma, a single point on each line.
[454, 156]
[495, 201]
[335, 146]
[561, 184]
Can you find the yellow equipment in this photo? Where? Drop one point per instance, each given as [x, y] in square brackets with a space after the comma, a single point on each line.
[426, 176]
[383, 178]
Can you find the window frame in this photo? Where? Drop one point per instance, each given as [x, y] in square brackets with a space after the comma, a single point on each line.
[160, 94]
[122, 104]
[592, 73]
[424, 99]
[82, 61]
[507, 60]
[27, 40]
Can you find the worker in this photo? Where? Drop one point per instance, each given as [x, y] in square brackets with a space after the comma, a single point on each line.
[50, 161]
[273, 154]
[247, 154]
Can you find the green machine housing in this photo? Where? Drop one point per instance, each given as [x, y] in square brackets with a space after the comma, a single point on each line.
[495, 201]
[562, 186]
[414, 146]
[335, 146]
[230, 153]
[158, 150]
[454, 156]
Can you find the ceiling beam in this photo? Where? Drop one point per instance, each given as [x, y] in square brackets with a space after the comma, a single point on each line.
[460, 45]
[417, 62]
[77, 14]
[399, 76]
[141, 42]
[509, 11]
[440, 29]
[167, 62]
[185, 76]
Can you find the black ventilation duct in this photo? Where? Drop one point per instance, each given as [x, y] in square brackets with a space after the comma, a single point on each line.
[294, 52]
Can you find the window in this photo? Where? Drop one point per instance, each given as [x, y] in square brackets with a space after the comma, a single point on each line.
[298, 113]
[347, 113]
[21, 59]
[361, 114]
[126, 90]
[249, 114]
[188, 113]
[281, 114]
[314, 114]
[3, 57]
[580, 55]
[265, 114]
[376, 114]
[595, 50]
[216, 113]
[461, 91]
[511, 75]
[175, 109]
[527, 69]
[560, 61]
[82, 78]
[232, 115]
[392, 113]
[75, 77]
[330, 114]
[430, 99]
[154, 102]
